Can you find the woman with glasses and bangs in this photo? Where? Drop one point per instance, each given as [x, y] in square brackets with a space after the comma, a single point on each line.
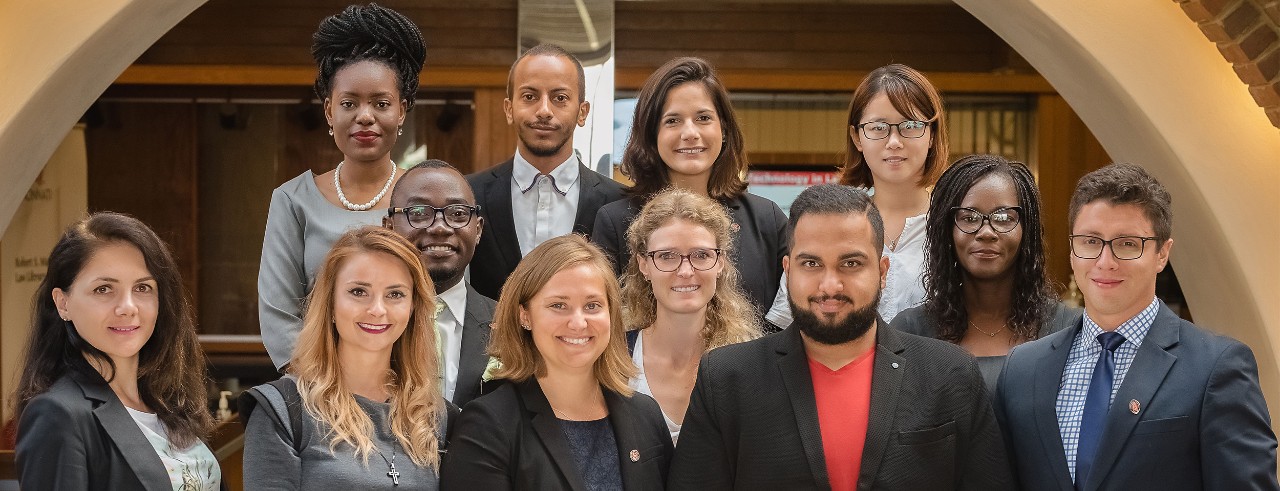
[680, 296]
[896, 147]
[985, 283]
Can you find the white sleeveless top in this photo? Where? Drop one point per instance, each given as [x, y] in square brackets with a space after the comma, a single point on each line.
[641, 384]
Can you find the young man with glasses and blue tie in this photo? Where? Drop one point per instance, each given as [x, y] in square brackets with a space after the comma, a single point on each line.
[432, 206]
[1132, 397]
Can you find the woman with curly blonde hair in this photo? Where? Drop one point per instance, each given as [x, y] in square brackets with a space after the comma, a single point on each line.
[681, 296]
[361, 406]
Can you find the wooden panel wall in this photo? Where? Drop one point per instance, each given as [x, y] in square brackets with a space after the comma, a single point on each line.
[1066, 151]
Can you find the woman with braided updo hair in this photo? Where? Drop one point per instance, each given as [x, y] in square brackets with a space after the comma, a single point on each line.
[368, 60]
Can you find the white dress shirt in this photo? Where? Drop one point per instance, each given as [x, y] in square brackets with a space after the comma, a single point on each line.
[543, 206]
[449, 329]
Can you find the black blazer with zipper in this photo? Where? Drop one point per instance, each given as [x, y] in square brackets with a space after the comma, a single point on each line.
[78, 435]
[511, 439]
[498, 252]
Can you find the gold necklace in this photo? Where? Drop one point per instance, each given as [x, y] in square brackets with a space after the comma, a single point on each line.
[989, 334]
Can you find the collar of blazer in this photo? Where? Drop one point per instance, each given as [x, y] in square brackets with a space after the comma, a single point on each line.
[124, 432]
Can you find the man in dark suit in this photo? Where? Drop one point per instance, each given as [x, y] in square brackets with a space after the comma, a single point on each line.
[1131, 396]
[839, 401]
[433, 207]
[543, 191]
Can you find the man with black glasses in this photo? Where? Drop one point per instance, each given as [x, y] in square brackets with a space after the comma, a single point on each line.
[1132, 397]
[433, 207]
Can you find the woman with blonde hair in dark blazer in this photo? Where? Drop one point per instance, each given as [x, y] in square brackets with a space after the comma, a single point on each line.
[566, 418]
[112, 394]
[361, 406]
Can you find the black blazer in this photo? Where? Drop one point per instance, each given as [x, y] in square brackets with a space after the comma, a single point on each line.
[78, 435]
[510, 439]
[760, 241]
[472, 359]
[753, 421]
[498, 252]
[1201, 421]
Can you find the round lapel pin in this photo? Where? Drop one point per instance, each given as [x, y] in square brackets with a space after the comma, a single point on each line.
[1134, 406]
[635, 455]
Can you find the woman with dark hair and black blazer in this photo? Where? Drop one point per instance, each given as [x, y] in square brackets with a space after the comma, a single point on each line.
[565, 418]
[112, 394]
[985, 283]
[687, 136]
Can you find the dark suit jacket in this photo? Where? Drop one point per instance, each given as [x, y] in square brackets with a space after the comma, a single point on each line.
[753, 421]
[759, 242]
[511, 439]
[1201, 421]
[472, 360]
[498, 252]
[78, 435]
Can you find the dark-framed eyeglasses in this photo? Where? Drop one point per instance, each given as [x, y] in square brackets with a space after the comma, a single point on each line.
[1003, 220]
[424, 216]
[879, 130]
[1124, 247]
[699, 259]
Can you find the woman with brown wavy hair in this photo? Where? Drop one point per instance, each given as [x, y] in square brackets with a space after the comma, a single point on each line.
[364, 374]
[112, 394]
[681, 296]
[565, 418]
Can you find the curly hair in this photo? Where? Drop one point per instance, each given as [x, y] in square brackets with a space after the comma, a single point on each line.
[1033, 295]
[374, 33]
[641, 161]
[912, 95]
[171, 365]
[731, 318]
[417, 409]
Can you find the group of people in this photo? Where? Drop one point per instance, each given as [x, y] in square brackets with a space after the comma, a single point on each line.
[539, 326]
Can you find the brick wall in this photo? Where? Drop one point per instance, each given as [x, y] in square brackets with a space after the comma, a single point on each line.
[1247, 33]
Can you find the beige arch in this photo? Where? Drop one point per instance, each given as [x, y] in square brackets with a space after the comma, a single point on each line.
[1138, 72]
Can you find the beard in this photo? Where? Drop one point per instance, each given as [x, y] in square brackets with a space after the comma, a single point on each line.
[546, 150]
[442, 275]
[839, 331]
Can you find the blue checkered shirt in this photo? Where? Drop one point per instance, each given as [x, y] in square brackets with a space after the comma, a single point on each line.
[1079, 370]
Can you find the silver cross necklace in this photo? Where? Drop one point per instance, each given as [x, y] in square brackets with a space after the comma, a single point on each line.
[391, 464]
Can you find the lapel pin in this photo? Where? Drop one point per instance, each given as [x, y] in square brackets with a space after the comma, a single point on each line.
[1134, 406]
[894, 364]
[635, 455]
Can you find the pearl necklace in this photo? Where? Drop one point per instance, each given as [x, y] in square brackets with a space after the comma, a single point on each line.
[337, 184]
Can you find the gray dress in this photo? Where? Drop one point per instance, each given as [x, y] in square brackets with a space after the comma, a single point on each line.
[913, 321]
[301, 227]
[270, 461]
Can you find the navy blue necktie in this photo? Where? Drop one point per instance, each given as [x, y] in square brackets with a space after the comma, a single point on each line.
[1096, 404]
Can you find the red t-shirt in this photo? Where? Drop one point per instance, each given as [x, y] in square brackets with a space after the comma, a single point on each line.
[844, 401]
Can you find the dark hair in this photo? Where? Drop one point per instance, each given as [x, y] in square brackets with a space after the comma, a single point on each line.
[836, 199]
[1033, 296]
[171, 365]
[641, 161]
[374, 33]
[426, 164]
[913, 96]
[553, 50]
[1126, 184]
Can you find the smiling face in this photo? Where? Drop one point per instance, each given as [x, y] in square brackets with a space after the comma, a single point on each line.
[894, 159]
[689, 135]
[569, 319]
[372, 302]
[113, 302]
[545, 106]
[834, 272]
[685, 290]
[365, 110]
[1116, 290]
[444, 251]
[987, 254]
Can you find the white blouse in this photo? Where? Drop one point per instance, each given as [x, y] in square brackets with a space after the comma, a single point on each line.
[641, 385]
[191, 469]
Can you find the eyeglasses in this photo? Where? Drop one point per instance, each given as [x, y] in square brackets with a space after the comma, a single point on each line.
[879, 130]
[424, 216]
[699, 259]
[1125, 247]
[1002, 220]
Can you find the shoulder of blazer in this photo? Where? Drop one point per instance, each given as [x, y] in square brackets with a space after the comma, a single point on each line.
[492, 174]
[480, 305]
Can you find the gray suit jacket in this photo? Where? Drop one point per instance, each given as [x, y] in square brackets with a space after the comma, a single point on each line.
[1200, 419]
[498, 252]
[753, 420]
[475, 339]
[77, 435]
